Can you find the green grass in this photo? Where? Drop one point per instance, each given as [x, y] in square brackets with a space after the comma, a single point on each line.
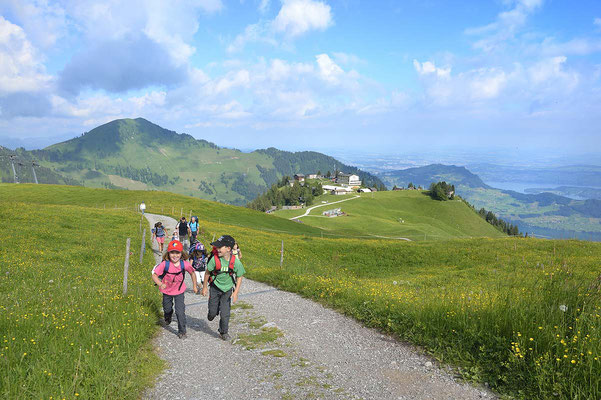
[490, 306]
[407, 214]
[67, 330]
[258, 339]
[157, 202]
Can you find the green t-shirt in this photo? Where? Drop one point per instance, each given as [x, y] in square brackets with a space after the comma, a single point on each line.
[223, 281]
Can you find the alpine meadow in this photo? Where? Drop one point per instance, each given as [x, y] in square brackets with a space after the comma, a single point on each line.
[520, 314]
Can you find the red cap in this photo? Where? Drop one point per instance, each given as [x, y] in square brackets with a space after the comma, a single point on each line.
[175, 245]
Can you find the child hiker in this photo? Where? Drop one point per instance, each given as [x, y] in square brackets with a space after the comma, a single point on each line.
[224, 277]
[169, 276]
[159, 233]
[198, 259]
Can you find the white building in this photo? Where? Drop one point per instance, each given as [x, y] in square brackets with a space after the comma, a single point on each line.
[348, 179]
[341, 190]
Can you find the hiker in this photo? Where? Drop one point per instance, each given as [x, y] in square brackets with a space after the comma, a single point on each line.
[198, 260]
[224, 277]
[183, 231]
[236, 251]
[159, 233]
[193, 229]
[169, 276]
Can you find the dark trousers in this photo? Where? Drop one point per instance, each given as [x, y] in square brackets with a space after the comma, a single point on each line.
[220, 302]
[180, 310]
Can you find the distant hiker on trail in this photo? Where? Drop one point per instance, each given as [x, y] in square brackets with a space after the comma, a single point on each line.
[159, 233]
[169, 276]
[183, 230]
[224, 276]
[198, 259]
[236, 251]
[193, 229]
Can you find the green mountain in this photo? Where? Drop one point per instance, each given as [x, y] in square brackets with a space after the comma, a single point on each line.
[137, 154]
[544, 214]
[459, 176]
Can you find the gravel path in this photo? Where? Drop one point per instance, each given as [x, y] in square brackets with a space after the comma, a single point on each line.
[287, 347]
[322, 205]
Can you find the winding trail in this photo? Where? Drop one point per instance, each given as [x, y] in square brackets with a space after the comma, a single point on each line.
[320, 354]
[322, 205]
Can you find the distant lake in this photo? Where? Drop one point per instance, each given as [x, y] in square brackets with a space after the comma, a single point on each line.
[520, 187]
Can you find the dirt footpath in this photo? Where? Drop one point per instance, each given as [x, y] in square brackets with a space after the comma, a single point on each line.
[286, 347]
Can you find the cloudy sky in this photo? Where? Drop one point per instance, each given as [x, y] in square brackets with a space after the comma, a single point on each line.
[388, 76]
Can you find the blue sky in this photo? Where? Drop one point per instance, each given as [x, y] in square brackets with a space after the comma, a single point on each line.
[389, 76]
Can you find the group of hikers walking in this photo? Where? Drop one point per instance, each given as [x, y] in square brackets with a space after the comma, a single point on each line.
[219, 273]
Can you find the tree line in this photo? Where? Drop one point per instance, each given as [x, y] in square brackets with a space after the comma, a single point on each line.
[491, 218]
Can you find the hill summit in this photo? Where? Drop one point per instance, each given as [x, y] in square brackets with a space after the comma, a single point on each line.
[138, 154]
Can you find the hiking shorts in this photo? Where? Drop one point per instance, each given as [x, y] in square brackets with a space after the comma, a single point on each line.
[161, 239]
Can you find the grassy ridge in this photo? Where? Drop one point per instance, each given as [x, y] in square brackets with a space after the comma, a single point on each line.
[66, 329]
[164, 203]
[411, 214]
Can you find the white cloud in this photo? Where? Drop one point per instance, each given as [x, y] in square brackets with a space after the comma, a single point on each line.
[297, 17]
[259, 32]
[328, 69]
[428, 67]
[44, 22]
[347, 59]
[506, 25]
[552, 71]
[264, 6]
[239, 78]
[487, 83]
[21, 69]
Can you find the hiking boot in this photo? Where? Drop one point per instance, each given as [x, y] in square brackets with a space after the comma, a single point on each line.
[182, 335]
[168, 318]
[225, 336]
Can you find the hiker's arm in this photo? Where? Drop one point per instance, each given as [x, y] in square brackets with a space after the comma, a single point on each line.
[205, 289]
[238, 285]
[194, 282]
[156, 280]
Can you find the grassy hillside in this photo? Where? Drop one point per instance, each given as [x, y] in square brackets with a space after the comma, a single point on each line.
[520, 314]
[409, 214]
[544, 214]
[157, 202]
[137, 154]
[67, 330]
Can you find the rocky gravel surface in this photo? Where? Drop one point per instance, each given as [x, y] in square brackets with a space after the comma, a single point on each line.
[286, 347]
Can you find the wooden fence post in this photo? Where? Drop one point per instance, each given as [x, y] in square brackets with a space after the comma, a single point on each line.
[172, 210]
[126, 267]
[190, 217]
[143, 247]
[282, 255]
[181, 212]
